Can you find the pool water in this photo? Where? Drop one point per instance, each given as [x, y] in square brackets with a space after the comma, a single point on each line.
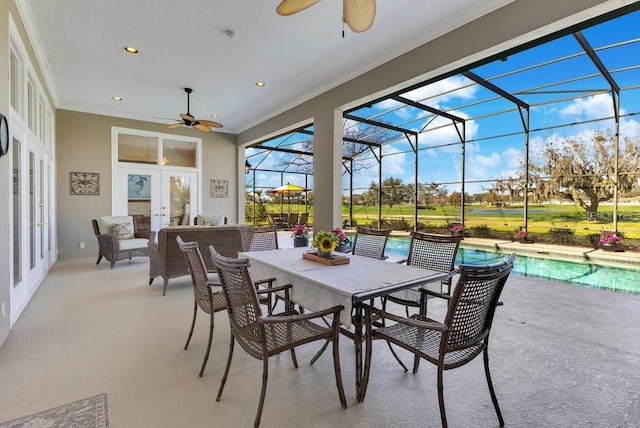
[590, 275]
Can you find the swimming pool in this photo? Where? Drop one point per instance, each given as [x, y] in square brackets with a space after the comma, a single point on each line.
[584, 274]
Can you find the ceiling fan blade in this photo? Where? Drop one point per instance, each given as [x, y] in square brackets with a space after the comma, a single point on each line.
[359, 14]
[289, 7]
[201, 128]
[210, 123]
[176, 125]
[187, 116]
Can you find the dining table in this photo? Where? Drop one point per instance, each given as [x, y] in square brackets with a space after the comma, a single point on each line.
[316, 286]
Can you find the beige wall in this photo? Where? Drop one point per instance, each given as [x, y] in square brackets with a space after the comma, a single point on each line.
[84, 145]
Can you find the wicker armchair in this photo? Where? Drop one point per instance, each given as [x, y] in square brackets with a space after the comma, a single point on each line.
[371, 242]
[262, 337]
[112, 247]
[167, 261]
[264, 238]
[204, 297]
[462, 336]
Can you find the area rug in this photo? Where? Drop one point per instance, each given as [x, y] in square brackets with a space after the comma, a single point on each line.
[91, 412]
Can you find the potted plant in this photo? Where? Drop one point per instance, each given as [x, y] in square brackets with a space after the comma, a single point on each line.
[457, 230]
[300, 235]
[326, 243]
[611, 241]
[343, 240]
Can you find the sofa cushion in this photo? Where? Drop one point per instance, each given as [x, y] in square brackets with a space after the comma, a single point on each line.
[122, 231]
[211, 220]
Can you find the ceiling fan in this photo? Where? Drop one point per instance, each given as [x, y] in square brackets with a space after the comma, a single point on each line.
[357, 14]
[189, 120]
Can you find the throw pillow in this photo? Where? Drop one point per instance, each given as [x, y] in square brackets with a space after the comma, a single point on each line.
[122, 231]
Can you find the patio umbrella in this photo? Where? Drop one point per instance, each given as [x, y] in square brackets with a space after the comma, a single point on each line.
[287, 189]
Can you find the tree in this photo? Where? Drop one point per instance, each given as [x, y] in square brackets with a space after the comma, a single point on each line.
[583, 170]
[393, 191]
[370, 196]
[431, 194]
[455, 198]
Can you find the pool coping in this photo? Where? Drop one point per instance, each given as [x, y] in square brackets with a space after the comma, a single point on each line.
[627, 259]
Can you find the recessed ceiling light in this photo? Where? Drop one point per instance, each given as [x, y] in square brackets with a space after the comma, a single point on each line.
[131, 49]
[261, 84]
[117, 98]
[215, 115]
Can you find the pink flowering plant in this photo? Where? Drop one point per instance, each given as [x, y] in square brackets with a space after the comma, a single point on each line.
[456, 228]
[522, 234]
[340, 235]
[609, 238]
[300, 231]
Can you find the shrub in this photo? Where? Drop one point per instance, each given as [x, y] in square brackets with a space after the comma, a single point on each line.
[481, 231]
[562, 235]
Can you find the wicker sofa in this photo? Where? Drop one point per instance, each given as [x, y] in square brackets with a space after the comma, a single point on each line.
[167, 261]
[111, 247]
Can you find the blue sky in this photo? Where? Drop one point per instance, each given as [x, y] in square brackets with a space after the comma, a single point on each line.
[574, 83]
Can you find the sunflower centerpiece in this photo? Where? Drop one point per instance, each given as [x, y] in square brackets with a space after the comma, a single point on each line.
[326, 243]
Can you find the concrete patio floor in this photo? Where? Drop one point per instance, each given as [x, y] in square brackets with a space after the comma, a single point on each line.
[561, 356]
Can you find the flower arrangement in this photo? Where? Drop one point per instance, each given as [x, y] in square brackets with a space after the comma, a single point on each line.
[325, 242]
[609, 238]
[300, 231]
[456, 228]
[522, 234]
[340, 235]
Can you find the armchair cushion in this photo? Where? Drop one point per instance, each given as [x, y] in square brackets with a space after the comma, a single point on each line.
[123, 231]
[105, 223]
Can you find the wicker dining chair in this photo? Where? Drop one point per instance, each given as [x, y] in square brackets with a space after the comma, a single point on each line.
[462, 336]
[265, 336]
[433, 252]
[426, 251]
[204, 297]
[370, 242]
[264, 238]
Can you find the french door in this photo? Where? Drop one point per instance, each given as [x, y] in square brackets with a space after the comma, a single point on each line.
[156, 196]
[31, 249]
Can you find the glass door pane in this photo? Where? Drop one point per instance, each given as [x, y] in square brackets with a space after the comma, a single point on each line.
[41, 208]
[179, 199]
[32, 211]
[17, 215]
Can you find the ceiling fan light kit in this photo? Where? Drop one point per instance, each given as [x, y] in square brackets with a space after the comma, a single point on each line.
[190, 121]
[357, 14]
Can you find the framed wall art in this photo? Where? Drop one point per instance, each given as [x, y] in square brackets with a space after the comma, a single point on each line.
[139, 186]
[219, 189]
[85, 183]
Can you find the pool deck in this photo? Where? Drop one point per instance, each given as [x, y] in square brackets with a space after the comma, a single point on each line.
[628, 259]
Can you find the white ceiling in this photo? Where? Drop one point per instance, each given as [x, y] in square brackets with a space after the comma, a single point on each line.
[184, 44]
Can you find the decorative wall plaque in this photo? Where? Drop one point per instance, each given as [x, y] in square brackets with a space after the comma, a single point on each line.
[85, 183]
[219, 188]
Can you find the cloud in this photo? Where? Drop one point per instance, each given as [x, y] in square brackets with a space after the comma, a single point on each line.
[593, 107]
[433, 95]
